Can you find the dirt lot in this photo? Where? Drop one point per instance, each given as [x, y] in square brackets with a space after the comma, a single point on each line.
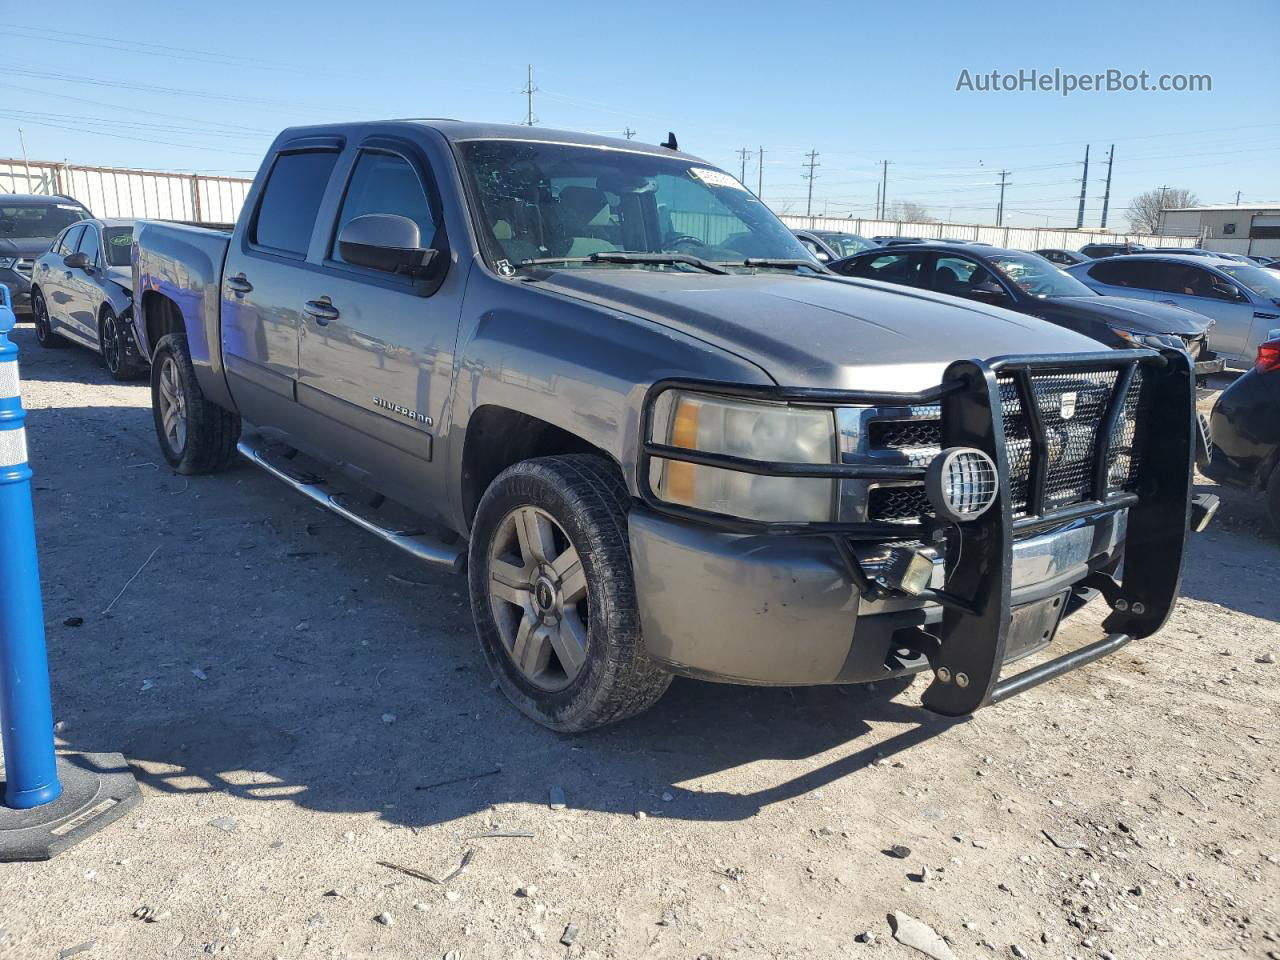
[300, 702]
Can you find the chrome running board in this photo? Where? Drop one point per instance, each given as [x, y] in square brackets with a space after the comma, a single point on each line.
[418, 544]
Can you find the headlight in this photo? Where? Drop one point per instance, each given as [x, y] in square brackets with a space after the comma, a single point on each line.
[1156, 340]
[7, 262]
[752, 430]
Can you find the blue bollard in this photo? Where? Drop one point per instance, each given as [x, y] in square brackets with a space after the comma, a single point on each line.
[26, 713]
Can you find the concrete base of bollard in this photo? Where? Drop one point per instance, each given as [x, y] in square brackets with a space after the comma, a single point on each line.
[97, 790]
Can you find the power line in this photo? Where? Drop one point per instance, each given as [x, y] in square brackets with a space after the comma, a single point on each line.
[812, 164]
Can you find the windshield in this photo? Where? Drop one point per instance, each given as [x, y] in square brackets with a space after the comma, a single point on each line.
[541, 200]
[35, 221]
[119, 240]
[1038, 277]
[1265, 283]
[845, 244]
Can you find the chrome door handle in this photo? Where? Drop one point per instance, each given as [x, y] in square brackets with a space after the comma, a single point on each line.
[322, 311]
[239, 284]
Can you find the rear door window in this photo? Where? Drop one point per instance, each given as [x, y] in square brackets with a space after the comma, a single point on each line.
[901, 268]
[1123, 273]
[290, 200]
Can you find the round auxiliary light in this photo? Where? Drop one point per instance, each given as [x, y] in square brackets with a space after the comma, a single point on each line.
[961, 483]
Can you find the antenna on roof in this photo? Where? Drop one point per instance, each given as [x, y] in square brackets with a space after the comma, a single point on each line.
[670, 142]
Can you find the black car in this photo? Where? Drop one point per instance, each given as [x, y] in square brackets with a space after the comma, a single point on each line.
[1027, 283]
[1245, 427]
[828, 245]
[28, 224]
[1095, 250]
[1062, 257]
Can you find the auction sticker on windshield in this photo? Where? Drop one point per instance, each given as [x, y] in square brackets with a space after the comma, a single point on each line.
[715, 178]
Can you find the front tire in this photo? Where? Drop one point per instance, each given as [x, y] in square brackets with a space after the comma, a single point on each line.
[195, 435]
[113, 341]
[40, 317]
[553, 594]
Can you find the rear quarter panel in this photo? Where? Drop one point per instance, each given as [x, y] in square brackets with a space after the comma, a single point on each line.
[184, 264]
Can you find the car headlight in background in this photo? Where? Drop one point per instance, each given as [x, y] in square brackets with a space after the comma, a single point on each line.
[752, 430]
[7, 263]
[1155, 340]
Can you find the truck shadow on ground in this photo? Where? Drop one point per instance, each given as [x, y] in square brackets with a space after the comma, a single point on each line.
[1245, 548]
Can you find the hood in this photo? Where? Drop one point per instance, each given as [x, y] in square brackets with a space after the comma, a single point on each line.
[1140, 316]
[24, 246]
[121, 275]
[820, 332]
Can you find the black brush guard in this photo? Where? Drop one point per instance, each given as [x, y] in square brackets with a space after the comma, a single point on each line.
[970, 652]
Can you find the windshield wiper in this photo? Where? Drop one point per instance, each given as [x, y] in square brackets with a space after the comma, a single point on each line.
[784, 263]
[627, 256]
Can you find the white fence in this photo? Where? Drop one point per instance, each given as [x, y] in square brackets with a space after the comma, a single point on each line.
[122, 192]
[1012, 238]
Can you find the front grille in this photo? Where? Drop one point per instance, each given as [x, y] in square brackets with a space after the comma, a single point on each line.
[1072, 408]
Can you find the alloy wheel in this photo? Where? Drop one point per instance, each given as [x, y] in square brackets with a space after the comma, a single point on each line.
[40, 314]
[110, 343]
[538, 595]
[173, 406]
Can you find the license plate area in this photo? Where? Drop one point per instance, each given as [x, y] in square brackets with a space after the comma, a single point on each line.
[1032, 626]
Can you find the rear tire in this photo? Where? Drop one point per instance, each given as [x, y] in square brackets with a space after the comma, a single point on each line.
[195, 435]
[40, 317]
[113, 341]
[553, 594]
[1273, 497]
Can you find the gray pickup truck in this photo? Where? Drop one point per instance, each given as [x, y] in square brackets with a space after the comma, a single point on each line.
[607, 381]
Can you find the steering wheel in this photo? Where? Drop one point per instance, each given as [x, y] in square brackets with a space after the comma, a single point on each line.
[684, 238]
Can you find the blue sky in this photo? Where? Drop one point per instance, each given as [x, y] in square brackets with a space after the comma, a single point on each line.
[205, 86]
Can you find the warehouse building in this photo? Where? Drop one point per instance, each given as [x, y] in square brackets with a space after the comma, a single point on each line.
[1250, 230]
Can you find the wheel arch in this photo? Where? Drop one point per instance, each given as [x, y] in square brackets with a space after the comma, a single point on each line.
[498, 437]
[160, 317]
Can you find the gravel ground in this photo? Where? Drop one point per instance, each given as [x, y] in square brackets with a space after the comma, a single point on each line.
[301, 702]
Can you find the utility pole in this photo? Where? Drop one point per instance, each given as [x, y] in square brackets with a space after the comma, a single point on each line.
[1238, 192]
[529, 91]
[26, 167]
[884, 188]
[760, 173]
[628, 133]
[877, 206]
[743, 153]
[812, 164]
[1004, 179]
[1106, 197]
[1084, 183]
[1160, 212]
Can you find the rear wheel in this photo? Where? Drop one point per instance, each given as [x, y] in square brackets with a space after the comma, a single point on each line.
[114, 343]
[195, 435]
[40, 317]
[553, 595]
[1273, 497]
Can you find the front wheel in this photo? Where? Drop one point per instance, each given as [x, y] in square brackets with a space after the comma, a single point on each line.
[40, 317]
[195, 435]
[114, 343]
[553, 594]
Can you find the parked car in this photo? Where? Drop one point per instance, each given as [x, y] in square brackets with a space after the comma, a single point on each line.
[1063, 258]
[1243, 300]
[1200, 252]
[829, 245]
[1245, 427]
[28, 224]
[535, 345]
[82, 292]
[1029, 284]
[1095, 251]
[888, 241]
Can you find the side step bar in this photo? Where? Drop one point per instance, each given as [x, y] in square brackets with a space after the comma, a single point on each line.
[420, 545]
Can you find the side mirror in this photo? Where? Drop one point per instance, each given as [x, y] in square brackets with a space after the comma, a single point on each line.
[77, 261]
[1227, 291]
[391, 243]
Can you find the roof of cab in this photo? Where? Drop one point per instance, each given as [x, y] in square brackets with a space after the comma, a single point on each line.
[460, 130]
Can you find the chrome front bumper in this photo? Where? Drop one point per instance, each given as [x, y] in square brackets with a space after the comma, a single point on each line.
[783, 610]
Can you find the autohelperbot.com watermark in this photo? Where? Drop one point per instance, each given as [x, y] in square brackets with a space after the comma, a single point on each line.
[1065, 83]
